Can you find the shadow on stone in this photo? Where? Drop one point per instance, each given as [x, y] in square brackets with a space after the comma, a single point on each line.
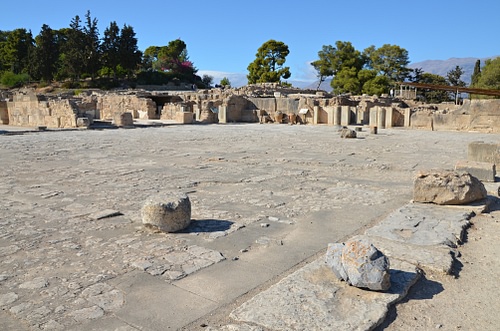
[494, 202]
[207, 225]
[424, 289]
[456, 266]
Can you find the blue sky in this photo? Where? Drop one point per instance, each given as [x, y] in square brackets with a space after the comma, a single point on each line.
[223, 36]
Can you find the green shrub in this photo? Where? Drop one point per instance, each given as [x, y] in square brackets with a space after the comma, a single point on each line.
[11, 80]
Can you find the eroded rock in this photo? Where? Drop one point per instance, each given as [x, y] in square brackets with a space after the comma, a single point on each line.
[169, 212]
[448, 188]
[360, 264]
[347, 133]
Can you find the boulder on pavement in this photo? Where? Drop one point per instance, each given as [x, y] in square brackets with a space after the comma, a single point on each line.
[360, 264]
[448, 188]
[347, 133]
[169, 212]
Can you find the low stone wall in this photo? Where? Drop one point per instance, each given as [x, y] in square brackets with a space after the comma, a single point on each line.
[29, 109]
[249, 104]
[140, 107]
[475, 115]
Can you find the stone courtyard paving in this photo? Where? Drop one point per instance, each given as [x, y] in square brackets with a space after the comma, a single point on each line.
[70, 222]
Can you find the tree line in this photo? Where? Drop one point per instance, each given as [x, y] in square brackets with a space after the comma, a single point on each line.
[79, 52]
[372, 71]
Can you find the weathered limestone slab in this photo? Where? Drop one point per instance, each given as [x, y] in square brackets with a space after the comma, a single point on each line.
[222, 114]
[484, 152]
[407, 120]
[484, 171]
[186, 117]
[424, 225]
[345, 117]
[123, 120]
[435, 258]
[337, 115]
[447, 188]
[312, 298]
[389, 118]
[111, 103]
[373, 122]
[381, 117]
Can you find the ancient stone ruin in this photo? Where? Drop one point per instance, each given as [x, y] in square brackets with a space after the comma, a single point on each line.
[167, 212]
[264, 103]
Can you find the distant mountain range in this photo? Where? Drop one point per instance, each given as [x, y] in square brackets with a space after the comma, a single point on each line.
[442, 67]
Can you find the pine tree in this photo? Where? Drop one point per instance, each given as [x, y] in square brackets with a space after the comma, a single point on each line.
[111, 49]
[46, 54]
[73, 57]
[268, 63]
[92, 45]
[130, 56]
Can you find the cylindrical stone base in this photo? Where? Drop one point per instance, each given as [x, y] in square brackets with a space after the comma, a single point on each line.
[169, 212]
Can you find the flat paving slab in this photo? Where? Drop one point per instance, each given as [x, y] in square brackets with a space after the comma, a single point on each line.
[414, 236]
[312, 298]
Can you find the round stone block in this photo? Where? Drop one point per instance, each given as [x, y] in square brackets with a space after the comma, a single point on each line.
[169, 212]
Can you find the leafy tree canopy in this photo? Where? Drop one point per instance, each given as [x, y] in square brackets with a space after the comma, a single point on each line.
[323, 65]
[390, 61]
[490, 75]
[172, 58]
[431, 95]
[356, 72]
[225, 82]
[268, 66]
[453, 77]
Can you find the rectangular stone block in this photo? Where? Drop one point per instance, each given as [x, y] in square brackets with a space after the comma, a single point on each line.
[185, 117]
[345, 117]
[373, 117]
[483, 171]
[122, 120]
[222, 114]
[480, 151]
[330, 114]
[389, 121]
[407, 115]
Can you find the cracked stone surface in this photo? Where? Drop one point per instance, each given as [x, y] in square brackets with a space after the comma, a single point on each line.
[70, 201]
[312, 298]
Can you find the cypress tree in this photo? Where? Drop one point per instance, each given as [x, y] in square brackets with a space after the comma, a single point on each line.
[476, 74]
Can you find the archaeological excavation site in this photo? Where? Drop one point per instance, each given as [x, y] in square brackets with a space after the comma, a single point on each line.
[257, 103]
[260, 208]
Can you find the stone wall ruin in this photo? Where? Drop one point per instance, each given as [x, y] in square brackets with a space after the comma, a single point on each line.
[250, 104]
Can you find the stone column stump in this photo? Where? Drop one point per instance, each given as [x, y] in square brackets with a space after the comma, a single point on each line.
[123, 120]
[168, 212]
